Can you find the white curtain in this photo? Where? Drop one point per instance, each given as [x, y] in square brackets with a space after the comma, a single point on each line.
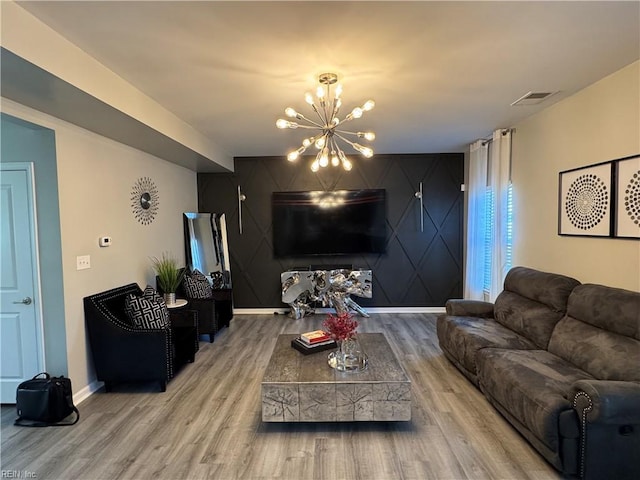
[487, 259]
[499, 177]
[475, 239]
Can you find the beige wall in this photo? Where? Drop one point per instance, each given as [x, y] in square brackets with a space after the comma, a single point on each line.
[599, 123]
[95, 178]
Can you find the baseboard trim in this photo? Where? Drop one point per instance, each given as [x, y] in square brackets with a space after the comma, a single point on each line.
[86, 392]
[285, 311]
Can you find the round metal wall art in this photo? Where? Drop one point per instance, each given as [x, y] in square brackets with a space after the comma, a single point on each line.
[145, 200]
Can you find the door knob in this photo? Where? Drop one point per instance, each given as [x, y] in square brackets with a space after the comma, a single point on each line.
[25, 301]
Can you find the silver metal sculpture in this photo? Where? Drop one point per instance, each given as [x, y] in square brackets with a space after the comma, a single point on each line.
[330, 287]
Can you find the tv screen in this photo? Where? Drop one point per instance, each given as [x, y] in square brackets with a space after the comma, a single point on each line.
[341, 222]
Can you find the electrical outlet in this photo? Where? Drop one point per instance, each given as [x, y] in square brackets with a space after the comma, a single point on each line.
[83, 262]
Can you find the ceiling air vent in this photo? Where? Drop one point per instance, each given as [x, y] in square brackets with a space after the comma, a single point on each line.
[532, 98]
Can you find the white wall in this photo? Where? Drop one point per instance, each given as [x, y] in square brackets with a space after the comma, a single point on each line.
[29, 38]
[95, 179]
[599, 123]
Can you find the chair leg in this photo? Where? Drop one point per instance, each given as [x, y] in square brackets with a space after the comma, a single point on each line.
[163, 385]
[211, 338]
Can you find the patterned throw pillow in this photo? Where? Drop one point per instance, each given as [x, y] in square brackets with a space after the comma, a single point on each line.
[218, 280]
[196, 285]
[147, 311]
[150, 293]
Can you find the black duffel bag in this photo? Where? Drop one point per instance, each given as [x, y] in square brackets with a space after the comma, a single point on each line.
[43, 402]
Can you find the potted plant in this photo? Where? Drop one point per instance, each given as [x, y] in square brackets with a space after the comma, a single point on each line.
[169, 276]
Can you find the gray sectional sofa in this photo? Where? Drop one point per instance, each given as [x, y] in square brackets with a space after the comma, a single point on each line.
[561, 362]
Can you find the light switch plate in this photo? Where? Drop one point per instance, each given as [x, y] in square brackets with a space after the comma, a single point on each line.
[83, 262]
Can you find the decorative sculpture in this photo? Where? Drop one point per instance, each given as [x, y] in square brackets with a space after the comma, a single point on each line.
[330, 287]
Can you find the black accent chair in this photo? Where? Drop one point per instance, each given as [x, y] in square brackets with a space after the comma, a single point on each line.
[123, 354]
[213, 313]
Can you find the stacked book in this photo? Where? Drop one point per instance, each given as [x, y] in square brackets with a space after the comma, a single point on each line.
[311, 342]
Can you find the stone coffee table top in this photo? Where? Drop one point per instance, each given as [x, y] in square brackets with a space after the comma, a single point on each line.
[303, 388]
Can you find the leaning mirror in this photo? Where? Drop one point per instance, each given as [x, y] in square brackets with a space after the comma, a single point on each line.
[205, 239]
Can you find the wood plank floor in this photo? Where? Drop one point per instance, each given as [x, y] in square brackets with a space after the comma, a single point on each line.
[207, 424]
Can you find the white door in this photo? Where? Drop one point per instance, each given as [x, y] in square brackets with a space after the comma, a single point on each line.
[21, 354]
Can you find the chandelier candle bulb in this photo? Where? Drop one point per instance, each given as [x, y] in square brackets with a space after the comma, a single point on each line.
[324, 159]
[367, 135]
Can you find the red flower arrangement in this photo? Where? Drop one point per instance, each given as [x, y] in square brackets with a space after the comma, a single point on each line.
[341, 326]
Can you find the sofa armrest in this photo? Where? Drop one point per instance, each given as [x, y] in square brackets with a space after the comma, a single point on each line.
[469, 308]
[611, 402]
[609, 414]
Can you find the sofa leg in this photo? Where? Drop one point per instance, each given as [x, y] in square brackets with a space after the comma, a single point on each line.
[163, 385]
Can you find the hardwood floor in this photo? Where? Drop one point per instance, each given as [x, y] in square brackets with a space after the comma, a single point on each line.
[208, 422]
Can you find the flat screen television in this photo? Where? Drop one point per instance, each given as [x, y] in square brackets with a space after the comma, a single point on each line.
[341, 222]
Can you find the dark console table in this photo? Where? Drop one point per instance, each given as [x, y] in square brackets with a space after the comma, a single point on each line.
[184, 327]
[224, 306]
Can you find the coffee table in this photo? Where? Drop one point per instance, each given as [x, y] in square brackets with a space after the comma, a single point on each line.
[303, 388]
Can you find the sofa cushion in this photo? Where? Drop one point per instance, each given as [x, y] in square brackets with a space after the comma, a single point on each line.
[148, 311]
[462, 337]
[599, 334]
[532, 385]
[612, 309]
[550, 289]
[196, 285]
[529, 318]
[533, 302]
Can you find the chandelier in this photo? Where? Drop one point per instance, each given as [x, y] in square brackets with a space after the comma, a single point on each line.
[325, 139]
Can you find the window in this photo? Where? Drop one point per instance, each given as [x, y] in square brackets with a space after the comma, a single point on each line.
[489, 253]
[489, 229]
[489, 236]
[509, 245]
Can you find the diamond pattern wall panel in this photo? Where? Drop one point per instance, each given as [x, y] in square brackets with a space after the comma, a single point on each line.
[419, 268]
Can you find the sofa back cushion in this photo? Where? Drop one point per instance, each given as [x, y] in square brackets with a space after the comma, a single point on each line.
[533, 302]
[601, 332]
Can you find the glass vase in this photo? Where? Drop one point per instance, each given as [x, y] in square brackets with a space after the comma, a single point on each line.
[349, 357]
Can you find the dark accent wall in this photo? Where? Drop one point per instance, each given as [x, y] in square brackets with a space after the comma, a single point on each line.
[419, 268]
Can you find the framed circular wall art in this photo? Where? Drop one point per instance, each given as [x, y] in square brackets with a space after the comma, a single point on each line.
[627, 219]
[145, 200]
[585, 201]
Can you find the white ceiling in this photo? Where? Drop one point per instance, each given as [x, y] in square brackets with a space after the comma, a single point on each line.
[442, 73]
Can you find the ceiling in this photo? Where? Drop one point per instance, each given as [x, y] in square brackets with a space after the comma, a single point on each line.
[443, 74]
